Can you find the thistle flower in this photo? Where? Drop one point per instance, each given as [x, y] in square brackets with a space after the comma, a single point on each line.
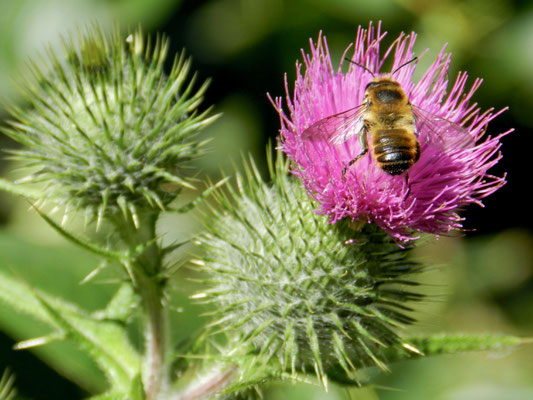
[107, 130]
[305, 294]
[437, 186]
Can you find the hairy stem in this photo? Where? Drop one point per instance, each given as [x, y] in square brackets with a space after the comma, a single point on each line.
[149, 282]
[155, 327]
[209, 383]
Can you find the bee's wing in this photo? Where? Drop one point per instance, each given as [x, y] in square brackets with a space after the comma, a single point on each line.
[338, 128]
[439, 132]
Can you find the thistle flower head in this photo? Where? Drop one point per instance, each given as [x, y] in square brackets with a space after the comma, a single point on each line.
[307, 295]
[106, 129]
[441, 182]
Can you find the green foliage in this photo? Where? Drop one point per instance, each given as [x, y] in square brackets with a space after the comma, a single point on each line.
[452, 344]
[20, 190]
[108, 132]
[105, 341]
[7, 389]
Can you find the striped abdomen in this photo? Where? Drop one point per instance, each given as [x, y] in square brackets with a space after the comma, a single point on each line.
[395, 150]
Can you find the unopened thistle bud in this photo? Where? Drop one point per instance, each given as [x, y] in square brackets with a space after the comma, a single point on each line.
[107, 130]
[305, 294]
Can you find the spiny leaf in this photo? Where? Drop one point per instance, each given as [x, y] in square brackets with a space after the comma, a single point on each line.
[417, 347]
[83, 243]
[18, 189]
[7, 386]
[93, 337]
[104, 341]
[121, 307]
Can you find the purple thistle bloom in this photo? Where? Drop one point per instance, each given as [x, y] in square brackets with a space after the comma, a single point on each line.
[425, 199]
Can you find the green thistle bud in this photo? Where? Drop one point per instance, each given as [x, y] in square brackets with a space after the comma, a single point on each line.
[305, 294]
[107, 130]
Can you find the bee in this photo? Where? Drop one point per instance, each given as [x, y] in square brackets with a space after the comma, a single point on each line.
[389, 127]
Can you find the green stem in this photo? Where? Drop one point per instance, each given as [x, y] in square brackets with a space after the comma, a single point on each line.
[209, 384]
[155, 333]
[149, 282]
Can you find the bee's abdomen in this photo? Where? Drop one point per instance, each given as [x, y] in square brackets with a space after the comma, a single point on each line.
[395, 150]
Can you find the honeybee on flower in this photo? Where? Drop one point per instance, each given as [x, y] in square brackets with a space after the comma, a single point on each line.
[389, 126]
[425, 131]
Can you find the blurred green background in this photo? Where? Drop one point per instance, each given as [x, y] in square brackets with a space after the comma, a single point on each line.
[483, 282]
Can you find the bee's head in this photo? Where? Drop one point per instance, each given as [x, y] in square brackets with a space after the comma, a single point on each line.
[385, 91]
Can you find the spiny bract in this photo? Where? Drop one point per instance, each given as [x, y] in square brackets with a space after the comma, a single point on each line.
[307, 295]
[106, 128]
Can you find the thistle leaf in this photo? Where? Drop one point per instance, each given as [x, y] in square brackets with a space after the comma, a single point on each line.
[18, 189]
[104, 341]
[417, 347]
[122, 306]
[7, 386]
[83, 243]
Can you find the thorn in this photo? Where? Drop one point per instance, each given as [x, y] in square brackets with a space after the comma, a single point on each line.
[324, 380]
[134, 215]
[100, 217]
[87, 216]
[65, 218]
[35, 342]
[121, 201]
[412, 349]
[93, 273]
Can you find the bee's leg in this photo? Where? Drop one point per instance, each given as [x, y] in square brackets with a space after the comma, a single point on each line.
[364, 150]
[352, 162]
[408, 186]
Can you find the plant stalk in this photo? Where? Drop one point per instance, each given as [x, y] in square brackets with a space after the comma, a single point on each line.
[155, 333]
[149, 283]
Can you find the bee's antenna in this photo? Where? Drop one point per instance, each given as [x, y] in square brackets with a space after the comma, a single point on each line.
[404, 64]
[359, 65]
